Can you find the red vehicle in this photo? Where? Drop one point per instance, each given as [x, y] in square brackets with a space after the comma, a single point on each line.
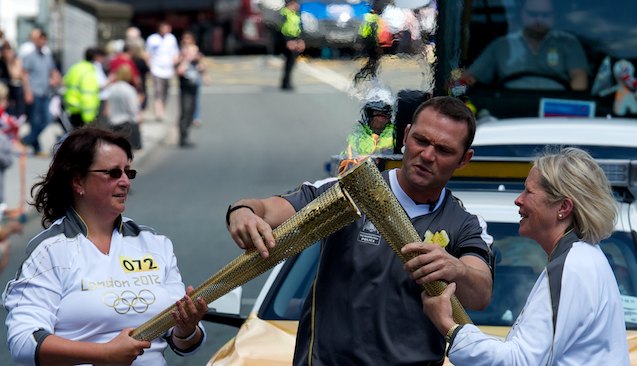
[220, 26]
[249, 32]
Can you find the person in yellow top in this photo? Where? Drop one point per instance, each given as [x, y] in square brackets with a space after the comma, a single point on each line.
[375, 37]
[81, 97]
[374, 134]
[294, 44]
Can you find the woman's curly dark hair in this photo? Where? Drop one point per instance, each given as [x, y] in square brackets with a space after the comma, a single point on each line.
[73, 157]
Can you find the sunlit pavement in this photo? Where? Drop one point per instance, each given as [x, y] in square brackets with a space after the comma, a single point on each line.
[262, 73]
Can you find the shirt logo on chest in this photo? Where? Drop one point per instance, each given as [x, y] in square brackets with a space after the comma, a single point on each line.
[369, 234]
[128, 300]
[145, 264]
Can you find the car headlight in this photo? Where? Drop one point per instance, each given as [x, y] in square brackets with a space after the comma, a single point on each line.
[344, 17]
[310, 23]
[340, 13]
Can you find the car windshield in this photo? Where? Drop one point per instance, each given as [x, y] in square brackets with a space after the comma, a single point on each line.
[530, 49]
[519, 262]
[602, 29]
[285, 299]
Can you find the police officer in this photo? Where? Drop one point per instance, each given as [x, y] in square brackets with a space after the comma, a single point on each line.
[376, 130]
[370, 33]
[374, 134]
[81, 98]
[294, 45]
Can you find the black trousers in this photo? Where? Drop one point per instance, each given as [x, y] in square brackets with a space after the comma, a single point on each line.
[373, 52]
[187, 103]
[290, 60]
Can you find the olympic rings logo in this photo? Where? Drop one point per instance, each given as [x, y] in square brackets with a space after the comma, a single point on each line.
[128, 300]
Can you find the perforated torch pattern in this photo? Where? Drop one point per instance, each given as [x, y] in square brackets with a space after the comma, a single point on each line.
[374, 198]
[325, 215]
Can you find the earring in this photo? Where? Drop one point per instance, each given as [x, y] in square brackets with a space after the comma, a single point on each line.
[402, 149]
[559, 216]
[81, 193]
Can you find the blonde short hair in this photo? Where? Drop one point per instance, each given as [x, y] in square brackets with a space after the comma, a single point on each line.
[573, 173]
[124, 73]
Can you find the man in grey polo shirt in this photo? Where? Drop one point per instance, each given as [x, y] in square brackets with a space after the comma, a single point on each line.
[537, 57]
[365, 308]
[43, 77]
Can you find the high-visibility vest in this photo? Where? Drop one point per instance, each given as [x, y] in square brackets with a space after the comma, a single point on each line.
[374, 26]
[291, 27]
[369, 25]
[364, 141]
[82, 91]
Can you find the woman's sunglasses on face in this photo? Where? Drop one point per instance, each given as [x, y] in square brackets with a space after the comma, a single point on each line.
[116, 173]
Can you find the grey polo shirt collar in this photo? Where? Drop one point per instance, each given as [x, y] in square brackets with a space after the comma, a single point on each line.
[412, 208]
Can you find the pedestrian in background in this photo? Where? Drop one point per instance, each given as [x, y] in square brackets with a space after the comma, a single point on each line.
[163, 51]
[376, 38]
[294, 44]
[140, 59]
[103, 82]
[9, 124]
[82, 89]
[10, 227]
[12, 74]
[6, 146]
[59, 311]
[575, 314]
[43, 76]
[190, 69]
[124, 56]
[122, 109]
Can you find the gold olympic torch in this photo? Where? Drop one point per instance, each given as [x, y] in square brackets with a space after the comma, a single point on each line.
[371, 194]
[325, 215]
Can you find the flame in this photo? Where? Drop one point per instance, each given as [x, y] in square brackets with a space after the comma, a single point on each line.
[348, 163]
[353, 159]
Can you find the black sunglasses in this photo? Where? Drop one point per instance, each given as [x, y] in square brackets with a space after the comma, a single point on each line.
[116, 173]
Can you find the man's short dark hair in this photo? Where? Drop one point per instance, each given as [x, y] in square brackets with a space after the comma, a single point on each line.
[93, 52]
[453, 108]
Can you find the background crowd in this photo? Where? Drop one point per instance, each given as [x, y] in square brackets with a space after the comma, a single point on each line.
[107, 88]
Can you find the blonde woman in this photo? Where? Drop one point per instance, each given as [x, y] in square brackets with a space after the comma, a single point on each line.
[574, 313]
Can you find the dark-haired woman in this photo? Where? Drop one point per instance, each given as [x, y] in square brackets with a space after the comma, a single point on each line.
[93, 275]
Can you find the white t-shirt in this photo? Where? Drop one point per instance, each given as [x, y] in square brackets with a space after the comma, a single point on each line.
[162, 52]
[67, 287]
